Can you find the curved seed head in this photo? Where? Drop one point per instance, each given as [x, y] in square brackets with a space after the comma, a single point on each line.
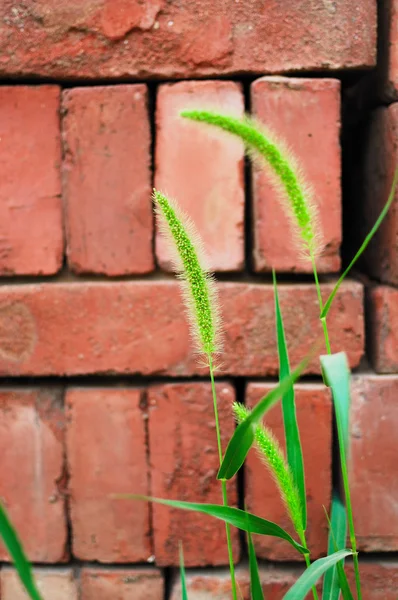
[197, 283]
[285, 173]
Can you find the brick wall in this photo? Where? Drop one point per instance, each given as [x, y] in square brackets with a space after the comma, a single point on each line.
[100, 390]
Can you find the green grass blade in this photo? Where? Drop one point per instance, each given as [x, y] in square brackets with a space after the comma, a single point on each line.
[14, 547]
[255, 583]
[335, 579]
[292, 435]
[233, 516]
[243, 437]
[310, 577]
[184, 593]
[363, 247]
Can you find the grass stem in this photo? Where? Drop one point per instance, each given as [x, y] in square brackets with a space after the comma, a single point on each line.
[223, 482]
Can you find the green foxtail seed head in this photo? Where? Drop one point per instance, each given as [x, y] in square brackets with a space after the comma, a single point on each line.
[270, 452]
[197, 283]
[283, 168]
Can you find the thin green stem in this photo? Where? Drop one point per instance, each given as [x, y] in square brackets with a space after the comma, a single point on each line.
[223, 482]
[308, 561]
[343, 462]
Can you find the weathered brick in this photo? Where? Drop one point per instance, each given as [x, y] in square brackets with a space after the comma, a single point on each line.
[184, 464]
[54, 584]
[383, 329]
[140, 327]
[304, 114]
[107, 182]
[315, 423]
[31, 238]
[202, 169]
[32, 483]
[118, 38]
[378, 165]
[373, 464]
[379, 580]
[122, 584]
[216, 584]
[106, 445]
[387, 61]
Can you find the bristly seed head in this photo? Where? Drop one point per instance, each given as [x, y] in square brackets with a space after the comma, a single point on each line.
[270, 452]
[197, 283]
[284, 170]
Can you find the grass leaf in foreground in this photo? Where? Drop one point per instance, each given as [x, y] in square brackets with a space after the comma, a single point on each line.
[336, 579]
[310, 577]
[233, 516]
[14, 547]
[243, 437]
[184, 593]
[255, 583]
[292, 435]
[363, 247]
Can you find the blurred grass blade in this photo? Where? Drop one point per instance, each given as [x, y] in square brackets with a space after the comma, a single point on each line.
[243, 437]
[14, 547]
[310, 577]
[233, 516]
[292, 434]
[337, 376]
[363, 247]
[184, 593]
[335, 579]
[255, 583]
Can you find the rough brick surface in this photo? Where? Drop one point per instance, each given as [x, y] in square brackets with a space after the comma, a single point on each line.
[54, 584]
[388, 51]
[109, 38]
[32, 483]
[140, 327]
[121, 584]
[380, 260]
[379, 580]
[373, 468]
[107, 455]
[216, 584]
[262, 496]
[31, 238]
[184, 465]
[202, 169]
[305, 114]
[107, 179]
[383, 329]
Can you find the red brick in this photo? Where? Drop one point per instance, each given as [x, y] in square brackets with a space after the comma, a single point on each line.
[380, 260]
[184, 465]
[202, 169]
[315, 423]
[373, 466]
[304, 114]
[140, 327]
[383, 329]
[54, 584]
[216, 584]
[387, 62]
[115, 39]
[379, 580]
[31, 238]
[107, 182]
[33, 482]
[107, 455]
[121, 584]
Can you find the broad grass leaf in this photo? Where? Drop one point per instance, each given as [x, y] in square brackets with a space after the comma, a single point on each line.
[17, 554]
[337, 376]
[255, 583]
[335, 578]
[233, 516]
[310, 577]
[363, 247]
[292, 435]
[184, 593]
[243, 437]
